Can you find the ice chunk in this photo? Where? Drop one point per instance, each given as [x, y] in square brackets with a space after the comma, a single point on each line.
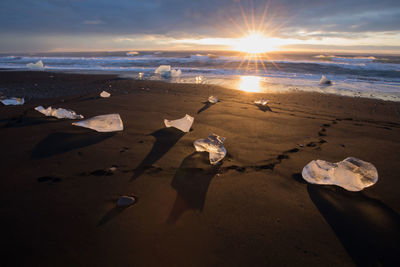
[199, 79]
[103, 123]
[261, 102]
[125, 201]
[140, 75]
[324, 81]
[105, 94]
[163, 69]
[213, 145]
[352, 174]
[176, 73]
[37, 65]
[132, 54]
[213, 99]
[183, 124]
[59, 113]
[14, 101]
[166, 72]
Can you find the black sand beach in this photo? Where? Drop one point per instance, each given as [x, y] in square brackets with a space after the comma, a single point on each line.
[58, 195]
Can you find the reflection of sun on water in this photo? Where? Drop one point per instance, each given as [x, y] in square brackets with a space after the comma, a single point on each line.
[250, 83]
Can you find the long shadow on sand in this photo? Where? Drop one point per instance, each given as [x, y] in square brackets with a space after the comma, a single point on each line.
[111, 214]
[191, 181]
[166, 138]
[206, 106]
[58, 143]
[263, 108]
[367, 228]
[27, 121]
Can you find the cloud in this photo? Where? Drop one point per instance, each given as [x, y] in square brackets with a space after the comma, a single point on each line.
[182, 19]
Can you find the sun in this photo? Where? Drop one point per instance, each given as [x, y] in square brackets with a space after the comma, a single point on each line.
[254, 43]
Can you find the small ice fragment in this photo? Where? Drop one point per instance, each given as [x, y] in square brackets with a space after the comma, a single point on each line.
[213, 99]
[176, 73]
[132, 54]
[213, 145]
[183, 124]
[352, 174]
[199, 79]
[125, 201]
[105, 94]
[113, 169]
[14, 101]
[102, 123]
[140, 75]
[59, 113]
[261, 102]
[324, 81]
[37, 65]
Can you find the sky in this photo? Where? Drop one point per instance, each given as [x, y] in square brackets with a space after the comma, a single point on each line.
[120, 25]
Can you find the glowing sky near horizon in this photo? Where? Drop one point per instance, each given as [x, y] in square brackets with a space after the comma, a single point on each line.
[309, 25]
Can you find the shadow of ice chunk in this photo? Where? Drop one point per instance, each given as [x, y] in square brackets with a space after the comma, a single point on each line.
[352, 174]
[37, 65]
[183, 124]
[13, 101]
[59, 113]
[213, 145]
[102, 123]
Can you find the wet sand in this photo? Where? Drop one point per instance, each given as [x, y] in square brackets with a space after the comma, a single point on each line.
[58, 194]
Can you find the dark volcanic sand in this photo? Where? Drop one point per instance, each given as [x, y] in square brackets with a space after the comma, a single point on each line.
[58, 195]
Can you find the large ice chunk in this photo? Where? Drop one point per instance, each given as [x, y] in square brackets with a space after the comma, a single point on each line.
[103, 123]
[183, 124]
[166, 72]
[352, 174]
[105, 94]
[324, 81]
[213, 99]
[59, 113]
[14, 101]
[213, 145]
[37, 65]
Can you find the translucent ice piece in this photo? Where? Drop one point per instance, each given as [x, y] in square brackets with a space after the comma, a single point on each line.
[175, 73]
[183, 124]
[352, 174]
[14, 101]
[37, 65]
[59, 113]
[324, 81]
[213, 99]
[213, 145]
[199, 79]
[163, 69]
[103, 123]
[105, 94]
[261, 102]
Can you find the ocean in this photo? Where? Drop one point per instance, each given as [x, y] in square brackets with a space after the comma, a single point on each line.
[373, 76]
